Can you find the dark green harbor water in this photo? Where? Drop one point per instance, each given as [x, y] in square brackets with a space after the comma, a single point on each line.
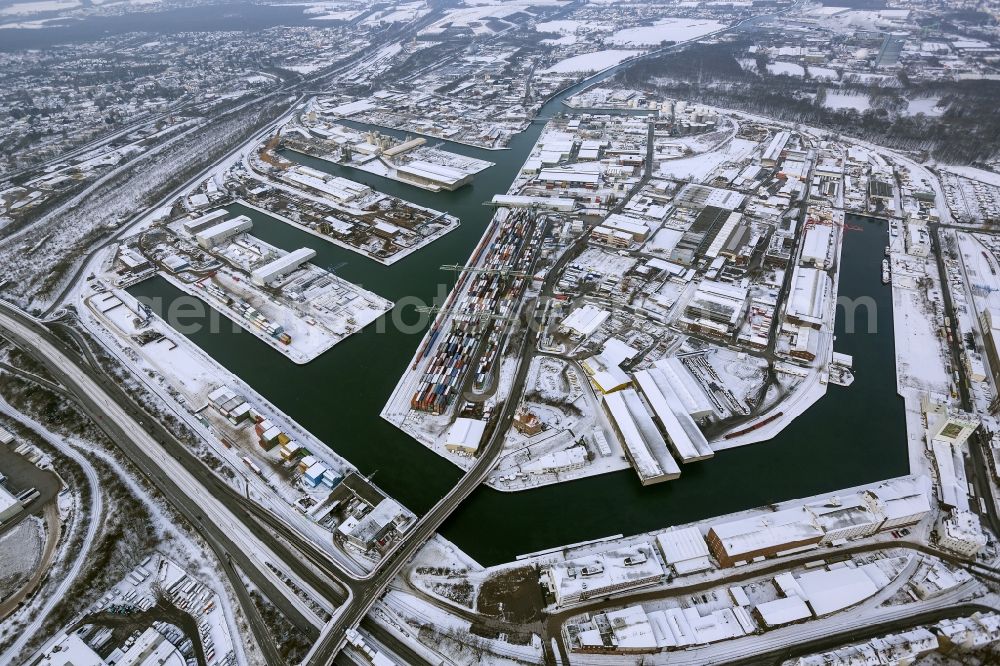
[852, 436]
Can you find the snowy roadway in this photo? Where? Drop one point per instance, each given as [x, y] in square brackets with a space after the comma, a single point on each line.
[205, 504]
[96, 511]
[319, 537]
[796, 634]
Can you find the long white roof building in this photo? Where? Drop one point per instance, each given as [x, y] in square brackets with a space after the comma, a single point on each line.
[696, 403]
[212, 236]
[807, 301]
[640, 437]
[283, 265]
[687, 440]
[205, 221]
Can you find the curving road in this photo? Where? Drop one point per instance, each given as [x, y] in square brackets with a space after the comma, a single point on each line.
[254, 550]
[96, 509]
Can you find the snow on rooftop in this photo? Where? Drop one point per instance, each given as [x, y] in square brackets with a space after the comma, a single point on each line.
[585, 320]
[807, 300]
[832, 591]
[767, 531]
[684, 549]
[465, 433]
[642, 440]
[597, 574]
[71, 651]
[687, 439]
[631, 628]
[7, 500]
[817, 245]
[783, 611]
[688, 390]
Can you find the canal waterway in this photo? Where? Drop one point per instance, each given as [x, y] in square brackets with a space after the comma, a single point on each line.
[852, 436]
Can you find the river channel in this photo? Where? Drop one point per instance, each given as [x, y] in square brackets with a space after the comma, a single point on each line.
[852, 436]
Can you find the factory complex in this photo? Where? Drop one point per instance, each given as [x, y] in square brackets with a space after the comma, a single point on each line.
[673, 299]
[297, 308]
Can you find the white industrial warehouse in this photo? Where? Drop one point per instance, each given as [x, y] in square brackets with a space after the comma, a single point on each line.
[643, 444]
[274, 270]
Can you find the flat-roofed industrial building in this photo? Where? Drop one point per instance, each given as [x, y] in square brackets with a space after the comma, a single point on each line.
[281, 266]
[603, 573]
[757, 537]
[212, 236]
[205, 221]
[817, 246]
[685, 550]
[686, 439]
[640, 438]
[10, 506]
[584, 320]
[808, 298]
[716, 307]
[433, 175]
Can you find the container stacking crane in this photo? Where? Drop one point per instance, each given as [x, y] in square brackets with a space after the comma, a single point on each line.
[504, 272]
[482, 316]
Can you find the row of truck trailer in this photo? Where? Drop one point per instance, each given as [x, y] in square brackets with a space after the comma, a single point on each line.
[246, 311]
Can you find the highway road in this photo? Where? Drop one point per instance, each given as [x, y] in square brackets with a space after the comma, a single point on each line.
[297, 551]
[249, 546]
[95, 509]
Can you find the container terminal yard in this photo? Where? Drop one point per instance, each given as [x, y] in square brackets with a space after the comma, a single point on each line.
[464, 343]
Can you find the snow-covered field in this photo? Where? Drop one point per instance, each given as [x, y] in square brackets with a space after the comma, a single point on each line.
[591, 62]
[20, 549]
[28, 8]
[838, 101]
[824, 73]
[665, 30]
[698, 167]
[787, 68]
[475, 15]
[925, 105]
[976, 174]
[564, 27]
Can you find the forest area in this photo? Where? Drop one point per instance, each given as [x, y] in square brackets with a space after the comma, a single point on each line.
[966, 133]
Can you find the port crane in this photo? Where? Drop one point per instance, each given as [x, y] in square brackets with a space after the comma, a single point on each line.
[504, 272]
[847, 226]
[482, 316]
[145, 314]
